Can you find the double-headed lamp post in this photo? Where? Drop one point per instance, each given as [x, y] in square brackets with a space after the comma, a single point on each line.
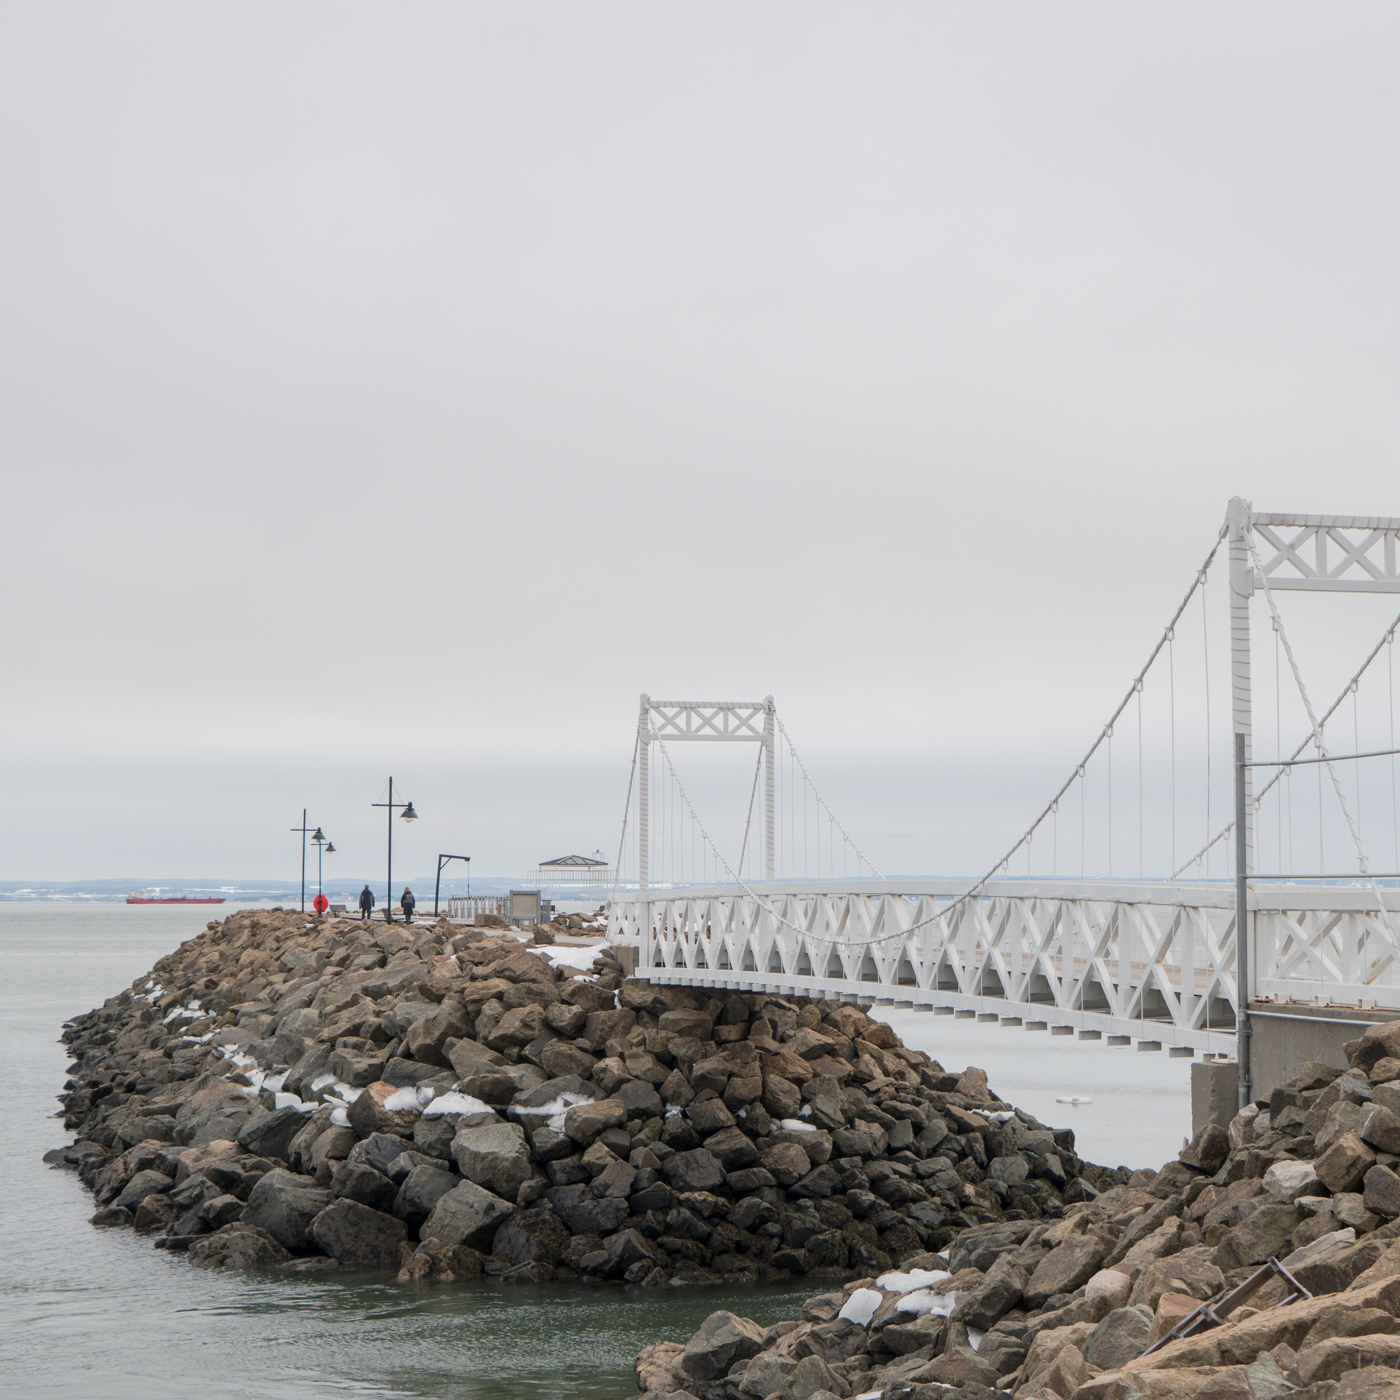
[324, 846]
[305, 831]
[407, 815]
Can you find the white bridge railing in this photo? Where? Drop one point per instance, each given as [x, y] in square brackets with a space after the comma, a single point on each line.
[1148, 962]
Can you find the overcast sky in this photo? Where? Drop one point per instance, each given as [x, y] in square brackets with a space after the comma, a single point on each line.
[405, 389]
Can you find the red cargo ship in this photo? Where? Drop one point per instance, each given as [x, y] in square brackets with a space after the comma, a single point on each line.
[141, 897]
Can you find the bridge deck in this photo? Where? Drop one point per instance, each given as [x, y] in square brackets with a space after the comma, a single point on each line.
[1154, 963]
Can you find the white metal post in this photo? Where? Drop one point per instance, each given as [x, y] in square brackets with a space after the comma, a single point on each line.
[644, 794]
[1238, 521]
[769, 737]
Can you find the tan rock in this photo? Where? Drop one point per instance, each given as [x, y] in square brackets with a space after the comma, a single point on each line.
[1240, 1343]
[1337, 1355]
[1172, 1308]
[1342, 1166]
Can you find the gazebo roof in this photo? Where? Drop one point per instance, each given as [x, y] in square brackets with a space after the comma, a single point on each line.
[572, 860]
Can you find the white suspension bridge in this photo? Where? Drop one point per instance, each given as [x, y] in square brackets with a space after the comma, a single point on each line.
[1126, 958]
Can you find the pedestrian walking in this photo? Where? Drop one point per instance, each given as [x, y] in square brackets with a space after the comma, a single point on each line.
[407, 902]
[366, 903]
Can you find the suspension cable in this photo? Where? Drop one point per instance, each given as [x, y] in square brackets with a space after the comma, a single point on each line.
[782, 729]
[1321, 747]
[753, 792]
[626, 808]
[1387, 636]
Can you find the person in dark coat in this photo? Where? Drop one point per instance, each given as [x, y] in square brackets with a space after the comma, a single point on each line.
[407, 902]
[366, 902]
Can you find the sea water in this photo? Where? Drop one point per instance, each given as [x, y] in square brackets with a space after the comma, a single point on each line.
[101, 1313]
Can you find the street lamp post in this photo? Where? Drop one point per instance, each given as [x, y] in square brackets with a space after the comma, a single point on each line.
[303, 828]
[324, 846]
[442, 860]
[407, 815]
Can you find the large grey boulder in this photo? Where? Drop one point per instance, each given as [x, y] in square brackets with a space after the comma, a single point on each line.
[1259, 1236]
[378, 1150]
[355, 1181]
[239, 1246]
[531, 1236]
[467, 1214]
[587, 1214]
[272, 1134]
[494, 1155]
[999, 1292]
[1121, 1336]
[284, 1204]
[433, 1136]
[1064, 1269]
[420, 1191]
[697, 1170]
[427, 1038]
[359, 1237]
[723, 1339]
[141, 1185]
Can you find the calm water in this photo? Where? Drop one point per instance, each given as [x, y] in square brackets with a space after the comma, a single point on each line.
[101, 1313]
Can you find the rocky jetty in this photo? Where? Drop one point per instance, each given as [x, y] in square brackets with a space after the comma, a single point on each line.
[1067, 1309]
[452, 1102]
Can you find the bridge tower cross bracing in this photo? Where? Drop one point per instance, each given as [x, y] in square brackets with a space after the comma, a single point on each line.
[1369, 552]
[705, 721]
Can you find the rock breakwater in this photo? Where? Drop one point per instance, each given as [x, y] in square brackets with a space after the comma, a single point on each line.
[448, 1102]
[1066, 1309]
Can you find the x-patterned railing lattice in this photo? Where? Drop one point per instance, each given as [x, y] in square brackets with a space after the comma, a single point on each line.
[1150, 963]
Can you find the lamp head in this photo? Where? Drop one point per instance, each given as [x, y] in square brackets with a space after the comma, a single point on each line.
[330, 848]
[408, 814]
[318, 837]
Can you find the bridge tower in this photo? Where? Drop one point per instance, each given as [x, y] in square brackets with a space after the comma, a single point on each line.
[705, 722]
[1327, 554]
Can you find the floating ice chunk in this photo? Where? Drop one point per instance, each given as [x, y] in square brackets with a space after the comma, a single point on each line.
[924, 1302]
[860, 1306]
[454, 1103]
[796, 1125]
[899, 1281]
[1074, 1099]
[403, 1100]
[339, 1120]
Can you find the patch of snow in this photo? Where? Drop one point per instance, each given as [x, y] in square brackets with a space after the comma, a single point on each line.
[293, 1101]
[924, 1302]
[899, 1281]
[552, 1112]
[454, 1103]
[1000, 1117]
[275, 1081]
[198, 1039]
[796, 1125]
[860, 1307]
[321, 1081]
[402, 1100]
[339, 1120]
[974, 1338]
[582, 958]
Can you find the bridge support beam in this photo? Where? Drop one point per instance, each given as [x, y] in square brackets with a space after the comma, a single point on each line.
[768, 793]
